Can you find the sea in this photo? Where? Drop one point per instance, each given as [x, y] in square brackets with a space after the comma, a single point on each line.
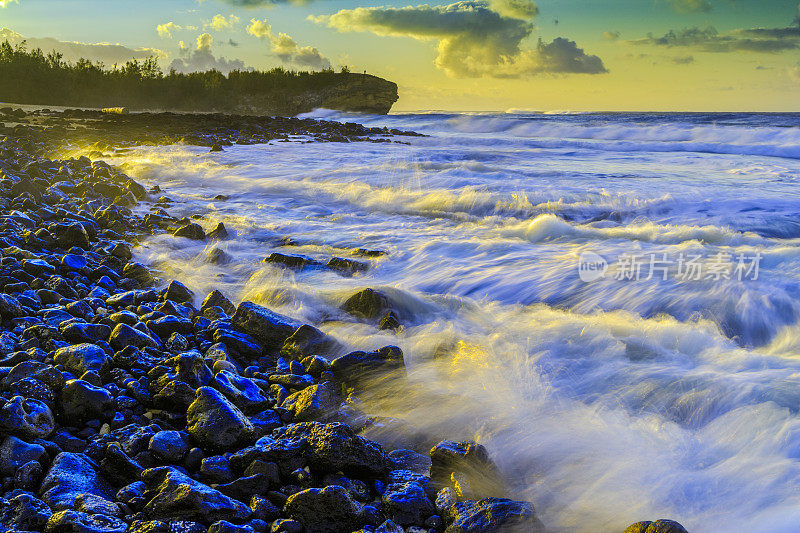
[609, 302]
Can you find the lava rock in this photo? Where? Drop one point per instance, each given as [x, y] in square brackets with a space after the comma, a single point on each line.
[78, 522]
[178, 292]
[169, 445]
[82, 358]
[269, 328]
[81, 400]
[314, 403]
[24, 512]
[359, 365]
[191, 231]
[493, 515]
[659, 526]
[215, 422]
[327, 510]
[70, 475]
[367, 304]
[123, 335]
[15, 452]
[27, 418]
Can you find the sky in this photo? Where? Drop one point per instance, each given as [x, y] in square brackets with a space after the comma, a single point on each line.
[471, 55]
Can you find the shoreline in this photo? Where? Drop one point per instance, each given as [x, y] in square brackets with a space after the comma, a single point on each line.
[227, 418]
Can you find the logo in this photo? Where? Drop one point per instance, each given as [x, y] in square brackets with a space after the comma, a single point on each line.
[591, 267]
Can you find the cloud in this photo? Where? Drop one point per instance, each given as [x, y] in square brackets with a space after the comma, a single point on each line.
[219, 22]
[708, 39]
[611, 35]
[690, 6]
[286, 48]
[165, 30]
[521, 9]
[4, 3]
[202, 59]
[473, 39]
[108, 54]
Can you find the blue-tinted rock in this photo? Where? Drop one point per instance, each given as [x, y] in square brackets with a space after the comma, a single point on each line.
[123, 335]
[169, 445]
[493, 515]
[15, 452]
[327, 510]
[243, 392]
[81, 400]
[83, 358]
[72, 474]
[26, 418]
[318, 402]
[79, 522]
[24, 512]
[215, 422]
[78, 332]
[74, 262]
[407, 504]
[270, 329]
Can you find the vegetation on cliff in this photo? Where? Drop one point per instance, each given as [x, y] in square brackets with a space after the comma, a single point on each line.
[33, 77]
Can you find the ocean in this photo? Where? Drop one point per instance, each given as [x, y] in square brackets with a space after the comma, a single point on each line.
[609, 302]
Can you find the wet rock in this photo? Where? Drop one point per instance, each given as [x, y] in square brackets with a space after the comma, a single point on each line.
[470, 459]
[219, 232]
[91, 504]
[389, 321]
[407, 504]
[317, 402]
[138, 272]
[224, 526]
[28, 476]
[215, 422]
[659, 526]
[347, 266]
[359, 365]
[368, 304]
[336, 447]
[83, 358]
[15, 452]
[493, 515]
[123, 335]
[70, 475]
[10, 307]
[169, 445]
[167, 325]
[410, 460]
[269, 328]
[69, 235]
[308, 340]
[217, 256]
[217, 299]
[243, 392]
[191, 231]
[24, 512]
[297, 262]
[327, 510]
[173, 495]
[27, 418]
[78, 522]
[178, 292]
[82, 332]
[82, 401]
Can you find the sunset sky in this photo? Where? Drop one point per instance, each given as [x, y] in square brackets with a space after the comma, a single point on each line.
[672, 55]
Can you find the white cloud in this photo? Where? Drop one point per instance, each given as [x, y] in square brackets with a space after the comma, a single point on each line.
[4, 3]
[165, 30]
[202, 59]
[220, 22]
[473, 39]
[106, 53]
[286, 48]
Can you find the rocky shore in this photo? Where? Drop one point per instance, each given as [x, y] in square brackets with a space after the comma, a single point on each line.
[131, 404]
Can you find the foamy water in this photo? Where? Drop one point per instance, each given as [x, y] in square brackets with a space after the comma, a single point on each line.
[605, 402]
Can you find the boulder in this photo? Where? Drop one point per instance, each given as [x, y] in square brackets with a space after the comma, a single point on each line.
[314, 403]
[24, 512]
[659, 526]
[81, 400]
[217, 299]
[124, 335]
[368, 304]
[215, 422]
[469, 459]
[191, 231]
[83, 358]
[493, 515]
[361, 365]
[327, 510]
[27, 418]
[172, 495]
[15, 452]
[72, 474]
[178, 292]
[269, 328]
[79, 522]
[307, 341]
[407, 504]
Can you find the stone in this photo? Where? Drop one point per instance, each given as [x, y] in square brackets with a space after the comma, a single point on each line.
[123, 335]
[297, 262]
[359, 365]
[83, 358]
[336, 447]
[10, 307]
[243, 392]
[24, 512]
[79, 522]
[307, 341]
[659, 526]
[389, 321]
[470, 459]
[493, 515]
[28, 476]
[217, 299]
[326, 510]
[215, 422]
[218, 233]
[15, 452]
[216, 469]
[223, 526]
[171, 446]
[317, 403]
[267, 327]
[70, 475]
[347, 267]
[368, 304]
[27, 418]
[81, 400]
[191, 231]
[83, 332]
[173, 495]
[69, 235]
[407, 504]
[35, 370]
[403, 459]
[178, 292]
[139, 272]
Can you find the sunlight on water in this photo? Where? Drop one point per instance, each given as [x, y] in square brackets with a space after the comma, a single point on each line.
[605, 402]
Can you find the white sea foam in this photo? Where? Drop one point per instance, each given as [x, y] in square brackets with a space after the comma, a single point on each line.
[605, 402]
